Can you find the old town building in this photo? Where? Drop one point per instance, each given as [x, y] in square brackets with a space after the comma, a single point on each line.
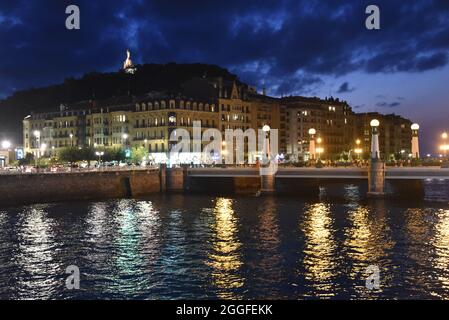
[394, 136]
[332, 120]
[149, 121]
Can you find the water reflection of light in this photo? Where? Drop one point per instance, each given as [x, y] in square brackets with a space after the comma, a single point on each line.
[352, 193]
[367, 242]
[96, 223]
[128, 259]
[441, 243]
[418, 231]
[269, 264]
[320, 249]
[225, 258]
[35, 257]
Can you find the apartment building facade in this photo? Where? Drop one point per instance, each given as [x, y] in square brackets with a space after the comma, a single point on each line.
[149, 121]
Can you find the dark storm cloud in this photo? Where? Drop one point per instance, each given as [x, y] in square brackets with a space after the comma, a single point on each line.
[344, 88]
[286, 45]
[388, 104]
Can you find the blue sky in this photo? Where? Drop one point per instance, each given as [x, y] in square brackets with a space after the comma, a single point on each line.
[305, 47]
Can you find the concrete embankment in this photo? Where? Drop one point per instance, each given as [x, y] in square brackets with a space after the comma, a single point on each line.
[38, 188]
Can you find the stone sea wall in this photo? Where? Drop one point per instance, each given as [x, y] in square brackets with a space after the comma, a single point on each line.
[37, 188]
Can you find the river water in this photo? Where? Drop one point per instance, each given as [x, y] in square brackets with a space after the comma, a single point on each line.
[230, 247]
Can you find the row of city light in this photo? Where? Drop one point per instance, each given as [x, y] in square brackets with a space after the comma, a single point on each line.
[374, 123]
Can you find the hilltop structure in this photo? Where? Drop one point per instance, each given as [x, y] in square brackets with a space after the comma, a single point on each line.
[147, 120]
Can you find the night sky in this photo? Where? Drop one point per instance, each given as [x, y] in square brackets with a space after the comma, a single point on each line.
[306, 47]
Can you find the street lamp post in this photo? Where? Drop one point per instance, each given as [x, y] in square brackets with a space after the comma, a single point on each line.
[375, 151]
[125, 139]
[99, 154]
[43, 149]
[415, 141]
[376, 171]
[358, 151]
[37, 135]
[444, 147]
[312, 147]
[319, 149]
[71, 139]
[267, 174]
[267, 152]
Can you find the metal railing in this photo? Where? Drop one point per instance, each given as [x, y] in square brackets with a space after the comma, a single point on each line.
[77, 170]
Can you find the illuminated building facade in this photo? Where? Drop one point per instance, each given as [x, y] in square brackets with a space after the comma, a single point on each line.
[149, 120]
[395, 134]
[332, 120]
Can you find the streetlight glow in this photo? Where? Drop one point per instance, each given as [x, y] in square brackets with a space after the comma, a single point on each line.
[6, 144]
[312, 131]
[415, 126]
[266, 128]
[374, 123]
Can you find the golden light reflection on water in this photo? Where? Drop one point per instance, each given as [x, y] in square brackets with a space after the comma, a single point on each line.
[418, 249]
[367, 241]
[269, 263]
[225, 258]
[320, 248]
[441, 244]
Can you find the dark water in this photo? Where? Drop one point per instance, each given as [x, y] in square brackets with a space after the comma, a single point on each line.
[198, 247]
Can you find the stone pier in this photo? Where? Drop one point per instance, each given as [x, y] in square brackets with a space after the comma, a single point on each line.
[376, 178]
[267, 182]
[175, 179]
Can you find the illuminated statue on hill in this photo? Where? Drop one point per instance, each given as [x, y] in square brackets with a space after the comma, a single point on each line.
[128, 64]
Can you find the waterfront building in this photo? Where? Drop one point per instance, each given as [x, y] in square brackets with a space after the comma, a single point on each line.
[5, 158]
[149, 120]
[395, 134]
[332, 120]
[126, 122]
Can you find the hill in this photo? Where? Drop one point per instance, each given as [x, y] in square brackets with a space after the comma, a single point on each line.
[92, 86]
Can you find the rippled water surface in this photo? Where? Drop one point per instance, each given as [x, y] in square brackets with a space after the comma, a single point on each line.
[198, 247]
